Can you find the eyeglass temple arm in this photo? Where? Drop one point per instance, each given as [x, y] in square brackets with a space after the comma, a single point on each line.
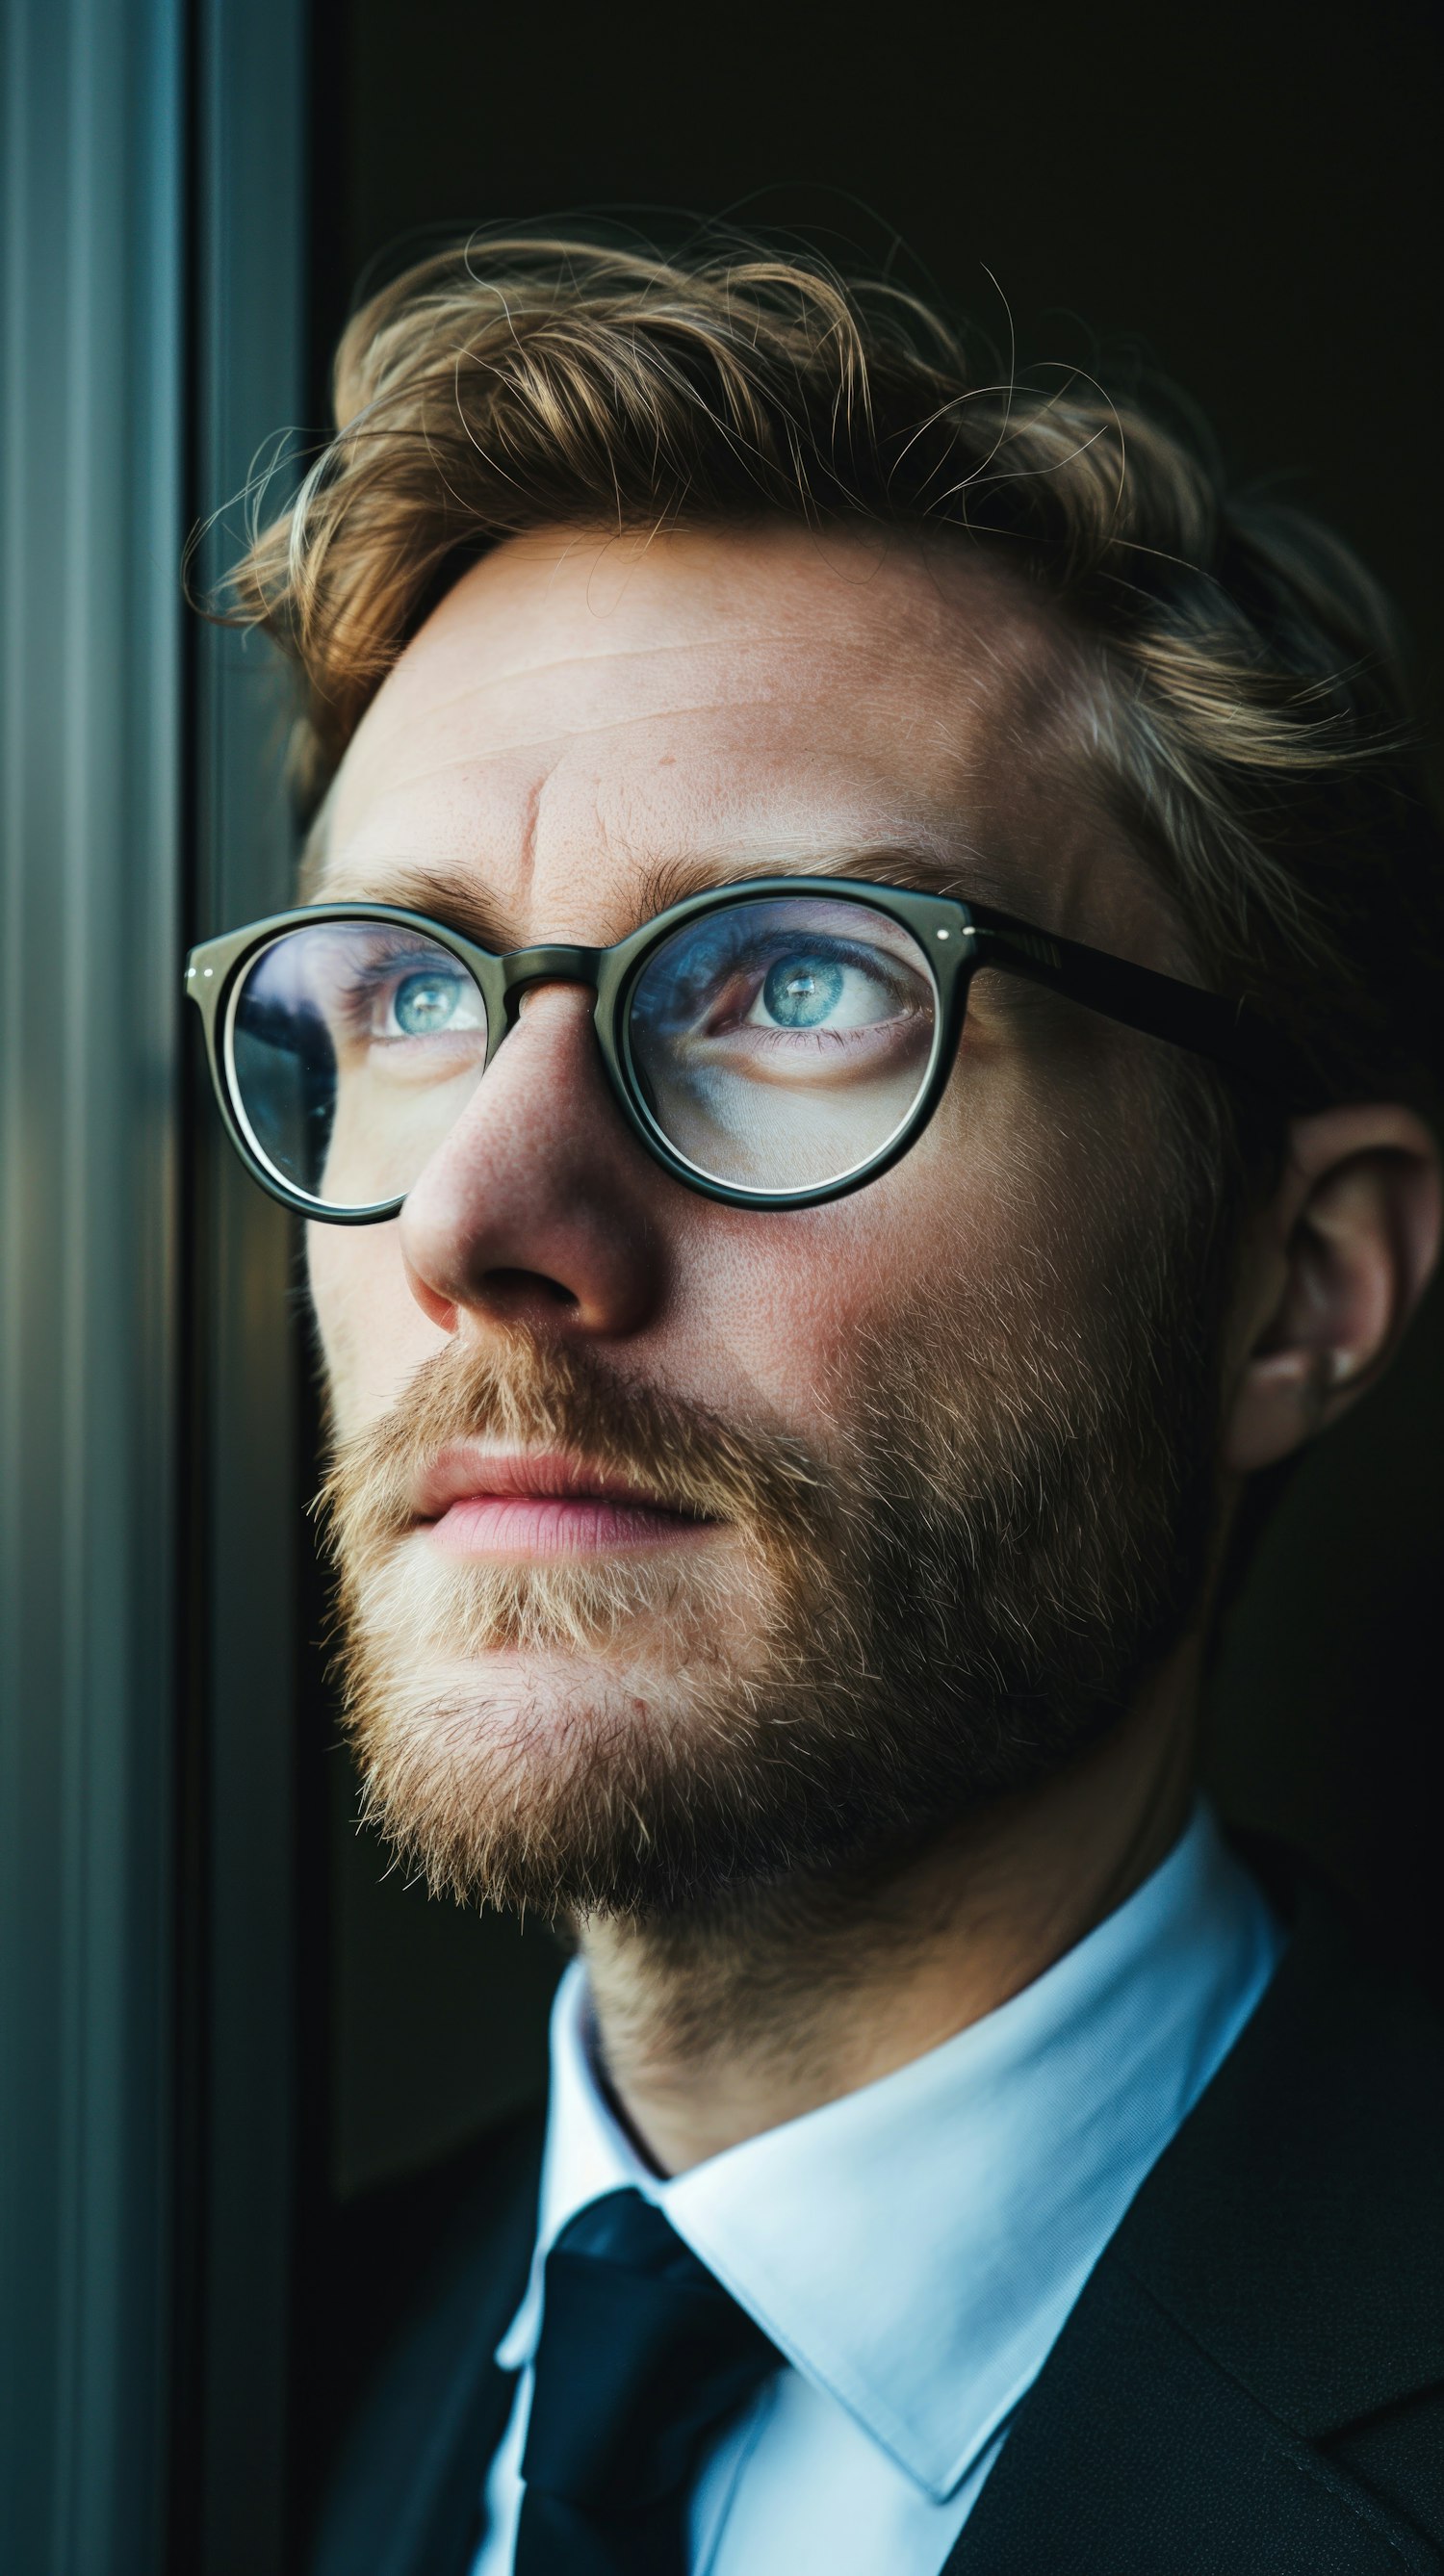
[1159, 1005]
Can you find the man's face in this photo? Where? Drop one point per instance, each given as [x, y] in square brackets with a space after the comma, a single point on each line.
[874, 1507]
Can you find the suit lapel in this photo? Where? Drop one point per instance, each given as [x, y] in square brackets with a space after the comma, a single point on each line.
[1135, 2455]
[1270, 2286]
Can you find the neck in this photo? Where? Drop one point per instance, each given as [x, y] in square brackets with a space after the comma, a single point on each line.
[713, 2031]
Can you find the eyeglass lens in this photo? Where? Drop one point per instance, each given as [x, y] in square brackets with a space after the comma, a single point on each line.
[780, 1045]
[777, 1046]
[352, 1049]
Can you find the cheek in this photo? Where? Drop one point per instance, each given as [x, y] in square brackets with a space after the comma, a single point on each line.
[804, 1303]
[1010, 1198]
[373, 1334]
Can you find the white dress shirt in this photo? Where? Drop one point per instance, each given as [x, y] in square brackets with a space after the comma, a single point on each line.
[914, 2248]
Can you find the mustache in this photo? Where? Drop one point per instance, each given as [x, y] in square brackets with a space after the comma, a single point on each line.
[701, 1463]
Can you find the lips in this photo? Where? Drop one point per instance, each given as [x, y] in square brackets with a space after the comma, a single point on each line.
[476, 1501]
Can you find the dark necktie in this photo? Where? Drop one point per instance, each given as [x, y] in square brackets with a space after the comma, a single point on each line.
[642, 2354]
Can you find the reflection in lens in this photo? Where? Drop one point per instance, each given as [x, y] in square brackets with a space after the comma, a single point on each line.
[780, 1044]
[352, 1048]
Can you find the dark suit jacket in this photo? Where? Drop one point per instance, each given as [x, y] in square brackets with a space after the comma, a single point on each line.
[1253, 2378]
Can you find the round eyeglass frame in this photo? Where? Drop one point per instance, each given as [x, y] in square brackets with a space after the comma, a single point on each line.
[957, 938]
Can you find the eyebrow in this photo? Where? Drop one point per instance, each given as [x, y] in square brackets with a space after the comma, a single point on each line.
[449, 896]
[910, 867]
[443, 894]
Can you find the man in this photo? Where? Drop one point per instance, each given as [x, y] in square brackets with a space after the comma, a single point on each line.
[857, 1050]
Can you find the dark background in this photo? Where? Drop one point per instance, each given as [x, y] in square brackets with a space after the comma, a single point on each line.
[1243, 199]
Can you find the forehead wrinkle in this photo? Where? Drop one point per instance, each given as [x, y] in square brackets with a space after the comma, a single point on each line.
[479, 755]
[618, 656]
[405, 684]
[398, 713]
[394, 703]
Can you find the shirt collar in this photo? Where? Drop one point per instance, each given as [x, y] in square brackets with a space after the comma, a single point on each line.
[915, 2247]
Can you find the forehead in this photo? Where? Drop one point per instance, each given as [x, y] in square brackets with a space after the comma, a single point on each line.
[584, 721]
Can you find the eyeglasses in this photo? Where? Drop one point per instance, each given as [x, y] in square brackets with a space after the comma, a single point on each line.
[775, 1043]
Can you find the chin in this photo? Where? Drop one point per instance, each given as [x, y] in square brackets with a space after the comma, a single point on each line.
[542, 1705]
[545, 1779]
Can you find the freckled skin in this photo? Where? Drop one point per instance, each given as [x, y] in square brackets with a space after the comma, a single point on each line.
[579, 713]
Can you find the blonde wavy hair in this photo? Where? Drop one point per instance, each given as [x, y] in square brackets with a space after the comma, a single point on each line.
[1249, 721]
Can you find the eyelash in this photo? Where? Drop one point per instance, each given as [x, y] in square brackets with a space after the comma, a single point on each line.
[839, 952]
[364, 982]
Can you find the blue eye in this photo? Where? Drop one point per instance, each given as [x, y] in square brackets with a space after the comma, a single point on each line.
[424, 1003]
[801, 992]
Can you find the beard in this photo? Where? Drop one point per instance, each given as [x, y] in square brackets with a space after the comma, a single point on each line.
[937, 1601]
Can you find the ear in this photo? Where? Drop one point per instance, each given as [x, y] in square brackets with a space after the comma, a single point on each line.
[1336, 1268]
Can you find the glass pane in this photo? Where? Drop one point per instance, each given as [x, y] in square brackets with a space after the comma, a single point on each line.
[353, 1047]
[780, 1044]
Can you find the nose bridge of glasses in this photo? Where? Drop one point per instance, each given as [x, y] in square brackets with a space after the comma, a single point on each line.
[525, 968]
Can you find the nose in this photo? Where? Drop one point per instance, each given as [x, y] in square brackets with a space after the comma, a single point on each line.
[539, 1206]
